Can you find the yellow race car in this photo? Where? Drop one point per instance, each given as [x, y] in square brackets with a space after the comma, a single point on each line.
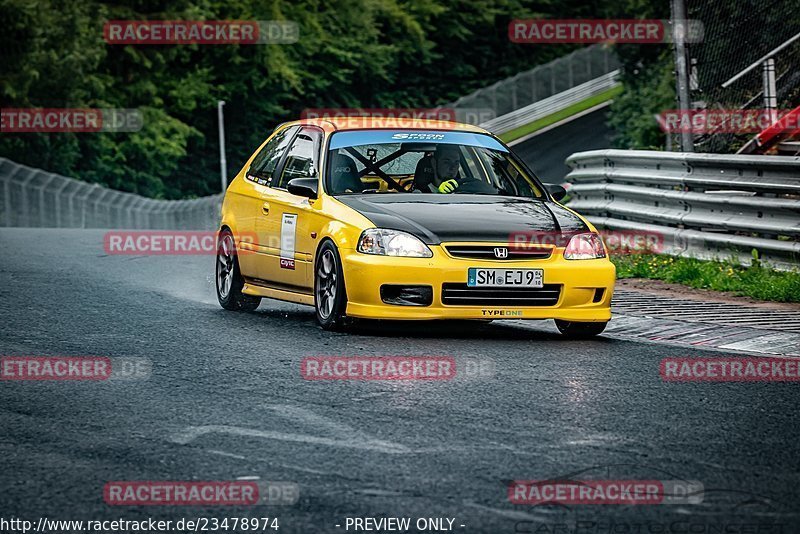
[435, 221]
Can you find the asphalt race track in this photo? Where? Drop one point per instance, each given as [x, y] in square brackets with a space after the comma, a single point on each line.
[545, 153]
[226, 401]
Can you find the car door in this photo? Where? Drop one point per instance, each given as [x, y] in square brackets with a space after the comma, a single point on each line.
[287, 226]
[254, 203]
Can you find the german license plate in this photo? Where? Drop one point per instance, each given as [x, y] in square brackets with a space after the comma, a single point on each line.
[477, 277]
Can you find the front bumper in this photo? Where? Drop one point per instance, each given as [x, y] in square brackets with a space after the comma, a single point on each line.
[579, 281]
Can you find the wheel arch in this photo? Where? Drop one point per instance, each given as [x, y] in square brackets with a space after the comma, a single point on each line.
[332, 241]
[322, 241]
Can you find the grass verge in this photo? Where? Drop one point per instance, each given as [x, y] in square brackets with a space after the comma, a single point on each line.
[526, 129]
[755, 281]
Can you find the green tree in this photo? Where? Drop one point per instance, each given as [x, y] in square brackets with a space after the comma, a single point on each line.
[351, 53]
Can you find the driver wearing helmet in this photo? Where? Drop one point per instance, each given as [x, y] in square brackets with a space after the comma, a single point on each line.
[438, 173]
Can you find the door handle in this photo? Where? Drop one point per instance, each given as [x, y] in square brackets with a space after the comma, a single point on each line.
[265, 208]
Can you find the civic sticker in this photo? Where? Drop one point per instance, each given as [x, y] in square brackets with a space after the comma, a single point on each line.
[288, 231]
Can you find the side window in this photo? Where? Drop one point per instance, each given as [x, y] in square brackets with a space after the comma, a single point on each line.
[263, 166]
[302, 161]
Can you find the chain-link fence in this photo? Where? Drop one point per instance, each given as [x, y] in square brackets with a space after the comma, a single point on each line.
[543, 81]
[737, 35]
[36, 198]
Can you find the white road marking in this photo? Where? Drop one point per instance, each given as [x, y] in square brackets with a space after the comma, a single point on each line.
[343, 435]
[229, 454]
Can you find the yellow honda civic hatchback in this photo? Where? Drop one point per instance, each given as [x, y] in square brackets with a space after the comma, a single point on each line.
[435, 221]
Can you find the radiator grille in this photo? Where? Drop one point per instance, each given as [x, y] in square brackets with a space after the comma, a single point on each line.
[487, 252]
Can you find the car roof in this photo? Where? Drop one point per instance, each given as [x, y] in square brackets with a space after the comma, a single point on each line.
[336, 124]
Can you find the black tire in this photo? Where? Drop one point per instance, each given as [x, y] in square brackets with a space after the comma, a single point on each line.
[576, 330]
[330, 295]
[228, 277]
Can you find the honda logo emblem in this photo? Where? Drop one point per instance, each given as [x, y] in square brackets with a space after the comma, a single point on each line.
[500, 253]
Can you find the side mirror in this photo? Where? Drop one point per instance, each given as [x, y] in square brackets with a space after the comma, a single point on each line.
[556, 191]
[303, 187]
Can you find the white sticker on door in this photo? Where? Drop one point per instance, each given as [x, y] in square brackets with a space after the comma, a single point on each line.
[288, 228]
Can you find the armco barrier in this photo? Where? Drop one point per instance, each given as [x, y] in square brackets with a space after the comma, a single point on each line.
[508, 96]
[705, 205]
[552, 104]
[36, 198]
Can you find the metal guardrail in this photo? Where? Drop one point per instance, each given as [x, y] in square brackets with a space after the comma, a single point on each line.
[704, 205]
[36, 198]
[552, 104]
[541, 82]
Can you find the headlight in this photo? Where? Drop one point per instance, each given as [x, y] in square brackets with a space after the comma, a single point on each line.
[585, 247]
[392, 243]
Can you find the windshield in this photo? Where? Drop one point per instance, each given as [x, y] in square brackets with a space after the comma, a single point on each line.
[425, 162]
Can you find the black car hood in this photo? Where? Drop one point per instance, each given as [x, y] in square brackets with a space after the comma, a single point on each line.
[437, 218]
